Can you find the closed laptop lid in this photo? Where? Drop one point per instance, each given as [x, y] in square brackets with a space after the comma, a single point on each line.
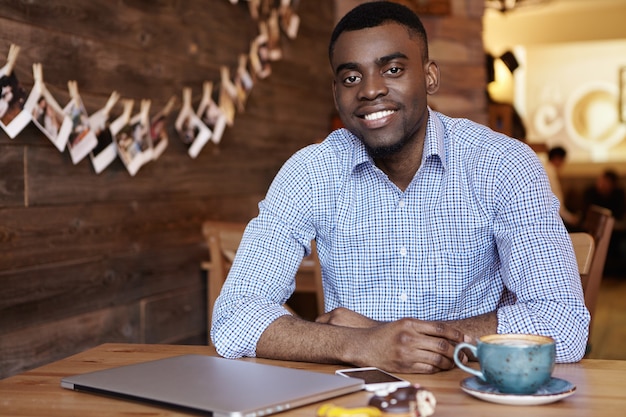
[218, 386]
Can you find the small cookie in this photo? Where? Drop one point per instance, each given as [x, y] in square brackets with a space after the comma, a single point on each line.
[412, 401]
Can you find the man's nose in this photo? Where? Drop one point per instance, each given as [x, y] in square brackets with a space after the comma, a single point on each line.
[372, 87]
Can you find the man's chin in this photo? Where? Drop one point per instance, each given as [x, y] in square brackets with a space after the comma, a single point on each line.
[384, 151]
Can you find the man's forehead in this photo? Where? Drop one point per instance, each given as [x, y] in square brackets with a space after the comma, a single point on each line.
[371, 44]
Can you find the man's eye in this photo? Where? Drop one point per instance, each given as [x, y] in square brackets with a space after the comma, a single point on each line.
[394, 70]
[351, 79]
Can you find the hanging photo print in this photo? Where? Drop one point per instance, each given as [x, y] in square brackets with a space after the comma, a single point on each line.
[259, 54]
[211, 114]
[82, 139]
[121, 132]
[105, 151]
[192, 131]
[13, 116]
[289, 20]
[273, 33]
[133, 140]
[47, 114]
[158, 129]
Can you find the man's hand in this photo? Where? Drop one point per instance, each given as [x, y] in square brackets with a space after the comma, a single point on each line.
[342, 336]
[346, 318]
[407, 345]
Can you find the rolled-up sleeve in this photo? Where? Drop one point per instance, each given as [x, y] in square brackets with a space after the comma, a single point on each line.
[544, 292]
[262, 277]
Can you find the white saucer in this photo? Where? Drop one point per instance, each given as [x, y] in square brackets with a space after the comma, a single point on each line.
[553, 391]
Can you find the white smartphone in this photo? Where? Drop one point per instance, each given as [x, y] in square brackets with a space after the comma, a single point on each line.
[375, 379]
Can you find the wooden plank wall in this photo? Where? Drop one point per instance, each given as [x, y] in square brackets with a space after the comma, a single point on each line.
[87, 258]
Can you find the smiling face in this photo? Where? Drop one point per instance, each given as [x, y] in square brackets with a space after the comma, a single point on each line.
[381, 82]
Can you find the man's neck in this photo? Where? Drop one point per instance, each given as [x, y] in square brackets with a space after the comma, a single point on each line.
[402, 166]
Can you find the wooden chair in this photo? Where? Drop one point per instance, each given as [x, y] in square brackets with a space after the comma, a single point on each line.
[223, 239]
[599, 223]
[584, 247]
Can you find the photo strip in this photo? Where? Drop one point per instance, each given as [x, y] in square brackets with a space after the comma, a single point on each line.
[82, 139]
[133, 140]
[211, 114]
[47, 114]
[13, 116]
[105, 151]
[192, 131]
[158, 129]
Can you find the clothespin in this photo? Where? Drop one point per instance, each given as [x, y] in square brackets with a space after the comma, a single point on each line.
[38, 75]
[263, 35]
[227, 83]
[226, 103]
[144, 112]
[72, 86]
[253, 7]
[242, 71]
[14, 51]
[207, 91]
[273, 27]
[128, 109]
[186, 99]
[168, 107]
[115, 96]
[205, 103]
[119, 123]
[289, 20]
[186, 109]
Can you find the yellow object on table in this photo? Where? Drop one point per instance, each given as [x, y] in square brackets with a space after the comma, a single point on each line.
[331, 410]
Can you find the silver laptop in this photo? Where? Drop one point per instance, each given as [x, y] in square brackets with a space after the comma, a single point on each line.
[217, 386]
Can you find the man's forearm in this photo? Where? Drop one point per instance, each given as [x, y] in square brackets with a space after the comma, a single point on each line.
[405, 345]
[477, 326]
[291, 338]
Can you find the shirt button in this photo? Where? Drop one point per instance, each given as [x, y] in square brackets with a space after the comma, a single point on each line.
[404, 297]
[401, 203]
[403, 251]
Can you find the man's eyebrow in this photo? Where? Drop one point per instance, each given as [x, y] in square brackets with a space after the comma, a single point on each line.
[379, 61]
[346, 66]
[387, 58]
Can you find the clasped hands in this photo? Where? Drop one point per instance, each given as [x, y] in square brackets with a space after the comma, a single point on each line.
[405, 346]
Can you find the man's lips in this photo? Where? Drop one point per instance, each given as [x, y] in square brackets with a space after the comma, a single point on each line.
[377, 119]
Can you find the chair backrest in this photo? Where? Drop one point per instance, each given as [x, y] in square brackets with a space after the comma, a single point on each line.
[223, 239]
[584, 247]
[599, 223]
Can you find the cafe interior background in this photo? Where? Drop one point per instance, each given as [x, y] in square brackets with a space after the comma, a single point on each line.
[88, 258]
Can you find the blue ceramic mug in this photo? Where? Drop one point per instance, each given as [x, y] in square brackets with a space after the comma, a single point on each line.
[512, 363]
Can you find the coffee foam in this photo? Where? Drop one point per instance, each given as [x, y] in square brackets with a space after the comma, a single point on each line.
[515, 342]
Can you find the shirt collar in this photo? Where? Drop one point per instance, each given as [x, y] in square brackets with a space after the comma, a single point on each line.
[434, 143]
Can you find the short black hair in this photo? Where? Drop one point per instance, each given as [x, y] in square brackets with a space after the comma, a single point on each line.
[557, 152]
[376, 13]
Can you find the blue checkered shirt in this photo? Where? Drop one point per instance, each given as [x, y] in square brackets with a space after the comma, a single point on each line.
[477, 230]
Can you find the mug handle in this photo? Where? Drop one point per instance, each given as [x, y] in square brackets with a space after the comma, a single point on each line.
[460, 364]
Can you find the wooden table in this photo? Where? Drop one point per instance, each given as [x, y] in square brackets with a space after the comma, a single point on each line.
[601, 388]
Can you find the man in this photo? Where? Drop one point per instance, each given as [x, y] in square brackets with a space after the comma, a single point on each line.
[556, 160]
[606, 192]
[429, 230]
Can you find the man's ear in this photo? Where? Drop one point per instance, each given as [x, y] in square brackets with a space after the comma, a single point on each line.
[335, 94]
[431, 70]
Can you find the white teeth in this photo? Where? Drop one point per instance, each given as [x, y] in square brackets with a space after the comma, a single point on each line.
[378, 115]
